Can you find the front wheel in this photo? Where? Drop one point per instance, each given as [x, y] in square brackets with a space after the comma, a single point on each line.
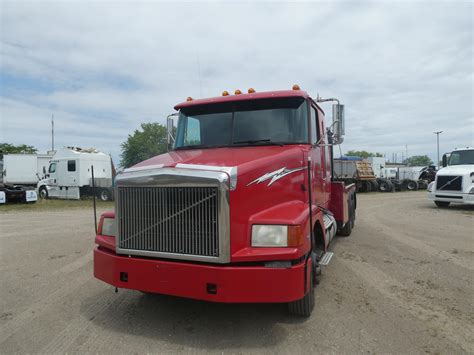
[105, 195]
[442, 204]
[43, 193]
[412, 185]
[304, 306]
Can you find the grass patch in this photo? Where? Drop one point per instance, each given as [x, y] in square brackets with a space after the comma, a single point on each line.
[47, 205]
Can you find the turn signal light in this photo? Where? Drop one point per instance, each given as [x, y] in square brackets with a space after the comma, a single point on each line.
[225, 93]
[251, 90]
[296, 87]
[237, 92]
[189, 98]
[295, 236]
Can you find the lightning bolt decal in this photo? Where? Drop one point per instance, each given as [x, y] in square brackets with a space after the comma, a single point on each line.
[275, 175]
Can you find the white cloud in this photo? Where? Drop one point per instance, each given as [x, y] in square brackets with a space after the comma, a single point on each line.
[402, 69]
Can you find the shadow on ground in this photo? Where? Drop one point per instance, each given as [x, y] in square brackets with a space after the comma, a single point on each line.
[191, 323]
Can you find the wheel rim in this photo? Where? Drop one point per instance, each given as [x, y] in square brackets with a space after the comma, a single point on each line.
[104, 196]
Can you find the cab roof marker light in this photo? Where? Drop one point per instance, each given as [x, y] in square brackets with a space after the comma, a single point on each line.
[189, 98]
[237, 92]
[251, 91]
[225, 93]
[296, 87]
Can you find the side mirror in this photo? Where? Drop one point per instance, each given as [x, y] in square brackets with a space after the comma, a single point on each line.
[338, 123]
[170, 129]
[445, 160]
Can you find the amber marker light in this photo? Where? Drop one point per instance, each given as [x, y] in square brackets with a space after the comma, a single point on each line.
[296, 87]
[295, 236]
[225, 93]
[251, 91]
[237, 92]
[189, 98]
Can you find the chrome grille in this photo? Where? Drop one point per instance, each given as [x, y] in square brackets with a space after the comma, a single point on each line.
[177, 220]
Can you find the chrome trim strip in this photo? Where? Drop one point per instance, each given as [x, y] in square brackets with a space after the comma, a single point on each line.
[231, 170]
[146, 167]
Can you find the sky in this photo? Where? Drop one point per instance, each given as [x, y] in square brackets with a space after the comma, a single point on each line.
[402, 69]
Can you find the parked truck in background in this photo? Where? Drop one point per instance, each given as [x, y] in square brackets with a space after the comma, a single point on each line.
[454, 183]
[355, 170]
[401, 177]
[19, 175]
[241, 209]
[69, 175]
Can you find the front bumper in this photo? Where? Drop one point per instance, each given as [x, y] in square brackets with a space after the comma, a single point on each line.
[452, 196]
[236, 284]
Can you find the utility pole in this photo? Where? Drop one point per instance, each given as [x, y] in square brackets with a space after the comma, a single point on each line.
[437, 145]
[52, 132]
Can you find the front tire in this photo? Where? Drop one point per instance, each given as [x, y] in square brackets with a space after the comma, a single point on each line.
[304, 306]
[43, 193]
[105, 195]
[442, 204]
[412, 185]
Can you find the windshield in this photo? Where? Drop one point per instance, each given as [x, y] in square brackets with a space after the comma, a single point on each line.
[258, 122]
[461, 157]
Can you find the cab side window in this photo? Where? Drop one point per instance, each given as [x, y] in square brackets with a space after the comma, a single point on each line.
[314, 126]
[71, 165]
[52, 168]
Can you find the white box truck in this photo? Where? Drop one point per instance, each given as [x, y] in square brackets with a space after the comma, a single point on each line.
[69, 175]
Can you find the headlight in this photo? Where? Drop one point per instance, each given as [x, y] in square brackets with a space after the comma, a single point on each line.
[108, 227]
[276, 236]
[430, 186]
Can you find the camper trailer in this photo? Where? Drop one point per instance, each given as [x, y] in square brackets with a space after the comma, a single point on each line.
[69, 175]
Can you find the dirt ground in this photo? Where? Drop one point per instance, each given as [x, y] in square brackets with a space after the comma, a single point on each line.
[401, 283]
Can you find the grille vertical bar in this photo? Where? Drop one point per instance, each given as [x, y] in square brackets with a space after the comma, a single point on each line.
[180, 220]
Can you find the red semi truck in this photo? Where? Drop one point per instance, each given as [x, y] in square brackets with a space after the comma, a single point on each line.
[224, 216]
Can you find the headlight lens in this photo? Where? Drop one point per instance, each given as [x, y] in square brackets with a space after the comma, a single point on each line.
[109, 227]
[269, 235]
[430, 186]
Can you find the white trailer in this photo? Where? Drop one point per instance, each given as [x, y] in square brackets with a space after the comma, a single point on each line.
[20, 169]
[23, 169]
[69, 175]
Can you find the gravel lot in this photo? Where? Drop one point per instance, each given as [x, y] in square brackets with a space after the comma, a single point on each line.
[401, 283]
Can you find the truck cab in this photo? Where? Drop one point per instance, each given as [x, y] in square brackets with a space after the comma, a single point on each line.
[69, 175]
[241, 209]
[454, 183]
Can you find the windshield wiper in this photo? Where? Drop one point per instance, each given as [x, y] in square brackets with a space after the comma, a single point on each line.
[256, 141]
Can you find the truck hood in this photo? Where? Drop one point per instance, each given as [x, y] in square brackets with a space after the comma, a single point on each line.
[249, 161]
[466, 169]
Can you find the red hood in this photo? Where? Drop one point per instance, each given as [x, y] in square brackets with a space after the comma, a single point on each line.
[259, 159]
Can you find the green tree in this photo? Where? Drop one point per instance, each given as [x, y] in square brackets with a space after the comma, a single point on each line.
[418, 160]
[7, 148]
[143, 144]
[363, 154]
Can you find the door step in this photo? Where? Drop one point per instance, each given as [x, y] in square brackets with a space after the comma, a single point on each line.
[326, 258]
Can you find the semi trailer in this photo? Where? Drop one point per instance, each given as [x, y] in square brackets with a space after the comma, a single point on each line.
[242, 208]
[454, 183]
